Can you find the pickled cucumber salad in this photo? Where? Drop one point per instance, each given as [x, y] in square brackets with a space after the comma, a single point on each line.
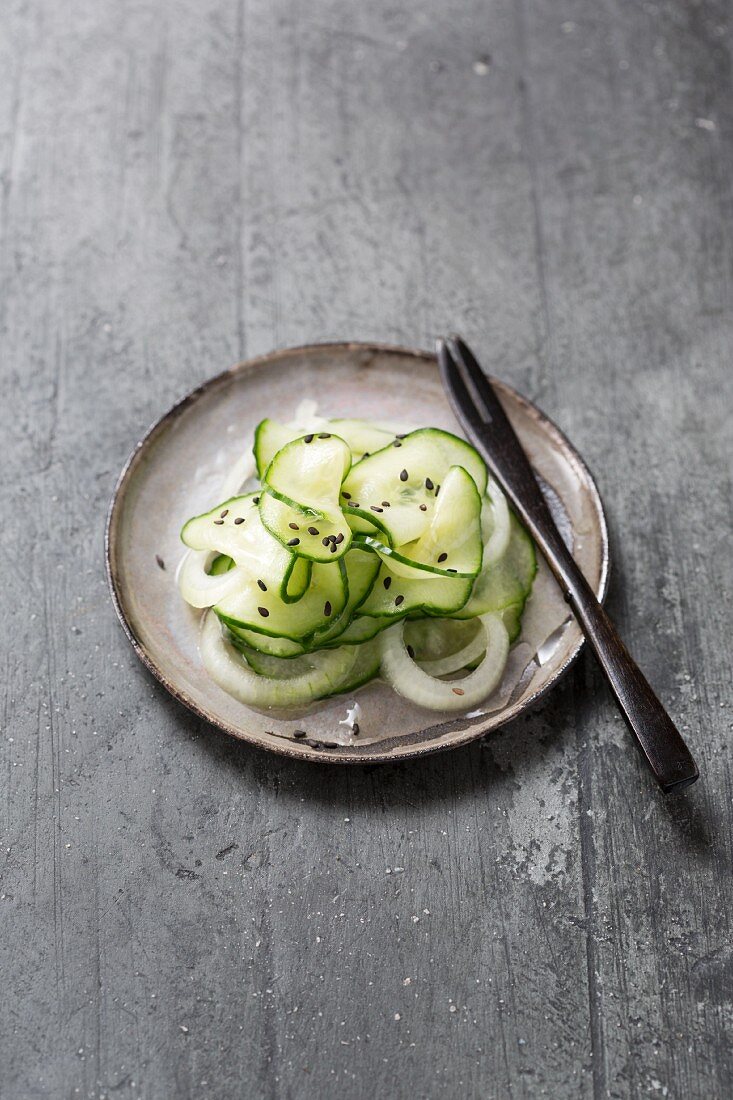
[359, 551]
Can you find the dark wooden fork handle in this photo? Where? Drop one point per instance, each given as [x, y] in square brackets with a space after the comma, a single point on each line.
[659, 740]
[481, 413]
[667, 755]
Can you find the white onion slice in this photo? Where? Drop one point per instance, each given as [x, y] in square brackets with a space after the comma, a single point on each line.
[410, 681]
[498, 540]
[242, 470]
[229, 669]
[198, 587]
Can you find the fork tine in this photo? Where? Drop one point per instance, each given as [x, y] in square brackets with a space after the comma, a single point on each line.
[480, 412]
[460, 399]
[484, 396]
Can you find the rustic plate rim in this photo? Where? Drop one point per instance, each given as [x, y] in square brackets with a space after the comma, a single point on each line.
[302, 750]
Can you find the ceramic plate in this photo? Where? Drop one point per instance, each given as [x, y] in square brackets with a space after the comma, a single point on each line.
[178, 469]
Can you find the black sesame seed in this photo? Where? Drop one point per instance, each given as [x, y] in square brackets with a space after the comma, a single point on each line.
[411, 652]
[299, 733]
[263, 612]
[293, 542]
[375, 509]
[339, 538]
[396, 443]
[293, 527]
[428, 484]
[308, 439]
[334, 547]
[256, 500]
[313, 531]
[401, 435]
[387, 582]
[404, 475]
[224, 513]
[262, 585]
[324, 435]
[355, 729]
[327, 608]
[238, 520]
[354, 504]
[386, 504]
[219, 522]
[326, 540]
[398, 600]
[442, 557]
[437, 489]
[161, 563]
[451, 570]
[423, 507]
[346, 496]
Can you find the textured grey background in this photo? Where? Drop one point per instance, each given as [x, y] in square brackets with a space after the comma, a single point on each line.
[187, 183]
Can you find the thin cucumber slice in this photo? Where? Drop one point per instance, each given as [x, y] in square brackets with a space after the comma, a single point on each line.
[307, 473]
[312, 538]
[361, 569]
[228, 668]
[234, 529]
[435, 639]
[496, 539]
[302, 484]
[395, 597]
[361, 629]
[364, 667]
[265, 612]
[246, 640]
[361, 572]
[271, 437]
[297, 584]
[412, 682]
[507, 581]
[279, 668]
[221, 564]
[362, 436]
[451, 545]
[395, 489]
[468, 655]
[512, 618]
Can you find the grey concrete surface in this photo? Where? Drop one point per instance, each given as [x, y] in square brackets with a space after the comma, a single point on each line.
[188, 182]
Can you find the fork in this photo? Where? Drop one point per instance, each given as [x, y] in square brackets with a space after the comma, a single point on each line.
[480, 412]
